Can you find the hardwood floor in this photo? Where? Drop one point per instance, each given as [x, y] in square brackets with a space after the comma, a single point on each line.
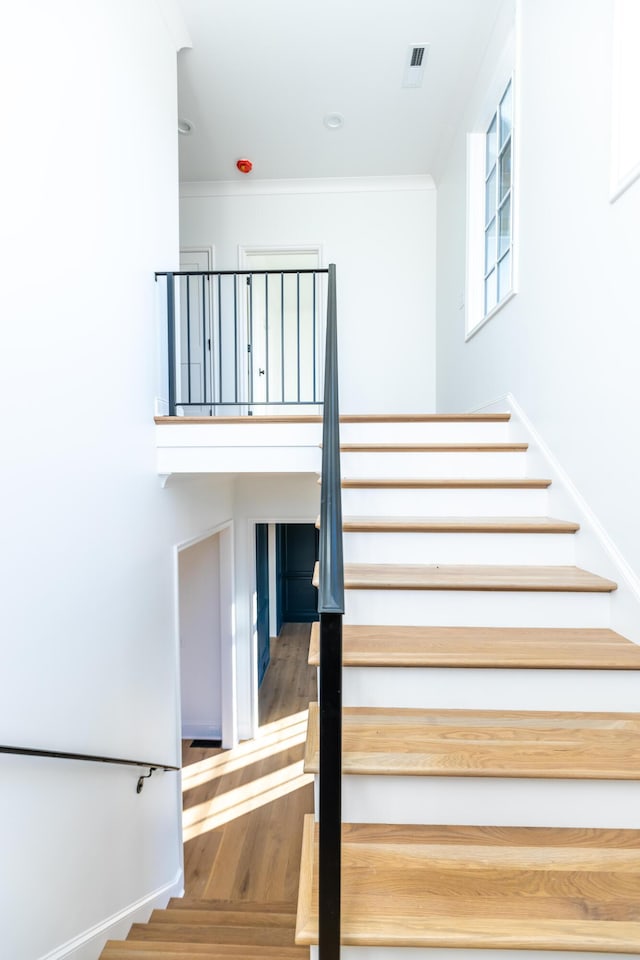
[244, 808]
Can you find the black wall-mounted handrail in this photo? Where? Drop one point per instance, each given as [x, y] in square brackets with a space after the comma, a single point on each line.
[89, 758]
[331, 609]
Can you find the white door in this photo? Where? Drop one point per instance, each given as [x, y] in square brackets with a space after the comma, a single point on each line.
[195, 379]
[284, 324]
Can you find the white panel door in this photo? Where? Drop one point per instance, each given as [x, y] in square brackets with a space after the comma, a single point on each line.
[283, 331]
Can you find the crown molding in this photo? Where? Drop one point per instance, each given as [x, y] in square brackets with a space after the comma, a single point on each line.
[256, 188]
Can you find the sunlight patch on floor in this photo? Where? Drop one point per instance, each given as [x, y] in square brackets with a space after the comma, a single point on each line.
[242, 800]
[272, 739]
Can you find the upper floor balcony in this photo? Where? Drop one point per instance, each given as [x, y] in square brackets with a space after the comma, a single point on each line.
[243, 360]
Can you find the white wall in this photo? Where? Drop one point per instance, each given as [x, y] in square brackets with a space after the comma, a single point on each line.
[567, 345]
[200, 649]
[380, 232]
[89, 210]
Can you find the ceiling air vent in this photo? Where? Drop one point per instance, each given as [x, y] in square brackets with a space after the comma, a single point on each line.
[414, 65]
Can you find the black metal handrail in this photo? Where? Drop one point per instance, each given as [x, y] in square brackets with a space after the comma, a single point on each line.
[331, 609]
[236, 345]
[89, 758]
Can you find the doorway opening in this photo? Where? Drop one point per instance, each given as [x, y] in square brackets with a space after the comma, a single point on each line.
[285, 557]
[204, 581]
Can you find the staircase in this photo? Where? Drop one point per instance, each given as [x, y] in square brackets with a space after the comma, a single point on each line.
[491, 749]
[212, 930]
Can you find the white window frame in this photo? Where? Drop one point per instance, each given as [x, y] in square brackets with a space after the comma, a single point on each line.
[475, 314]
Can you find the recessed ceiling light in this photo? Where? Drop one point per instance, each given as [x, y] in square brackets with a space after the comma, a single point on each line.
[333, 121]
[185, 127]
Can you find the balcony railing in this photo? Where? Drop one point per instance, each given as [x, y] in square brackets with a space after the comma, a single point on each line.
[243, 342]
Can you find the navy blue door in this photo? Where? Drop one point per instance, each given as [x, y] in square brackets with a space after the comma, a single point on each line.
[297, 552]
[262, 598]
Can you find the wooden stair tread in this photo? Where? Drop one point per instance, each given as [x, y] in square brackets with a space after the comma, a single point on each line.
[230, 917]
[458, 525]
[382, 741]
[555, 579]
[481, 887]
[449, 483]
[482, 647]
[213, 933]
[434, 447]
[424, 417]
[250, 907]
[349, 418]
[132, 949]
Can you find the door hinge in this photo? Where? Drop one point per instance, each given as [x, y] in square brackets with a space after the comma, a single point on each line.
[248, 348]
[208, 343]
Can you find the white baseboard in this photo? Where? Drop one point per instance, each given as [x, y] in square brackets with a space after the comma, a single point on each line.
[594, 547]
[89, 944]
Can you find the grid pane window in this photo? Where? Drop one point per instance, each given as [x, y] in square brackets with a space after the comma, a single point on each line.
[504, 227]
[490, 196]
[492, 143]
[498, 200]
[506, 114]
[504, 275]
[505, 170]
[490, 291]
[490, 242]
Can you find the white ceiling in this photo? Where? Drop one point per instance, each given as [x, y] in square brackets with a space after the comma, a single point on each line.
[262, 74]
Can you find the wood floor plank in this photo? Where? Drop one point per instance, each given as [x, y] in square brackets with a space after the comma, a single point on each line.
[483, 647]
[466, 743]
[457, 525]
[523, 888]
[554, 579]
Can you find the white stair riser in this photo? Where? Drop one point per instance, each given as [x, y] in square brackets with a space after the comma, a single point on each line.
[457, 548]
[469, 688]
[425, 465]
[477, 608]
[424, 433]
[477, 801]
[444, 953]
[392, 502]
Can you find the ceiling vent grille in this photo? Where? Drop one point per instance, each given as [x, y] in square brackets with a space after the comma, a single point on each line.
[414, 65]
